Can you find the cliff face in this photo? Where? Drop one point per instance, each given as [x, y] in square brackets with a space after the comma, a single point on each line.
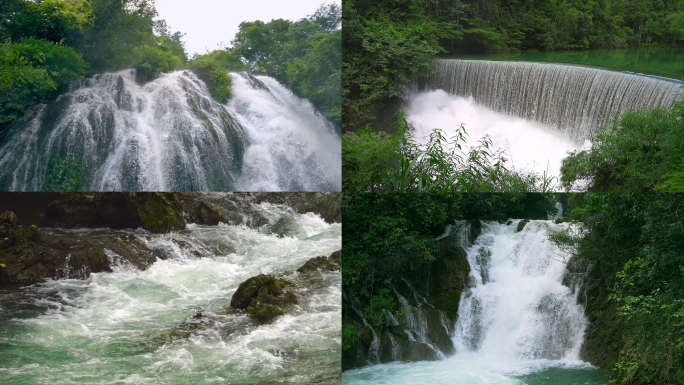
[427, 306]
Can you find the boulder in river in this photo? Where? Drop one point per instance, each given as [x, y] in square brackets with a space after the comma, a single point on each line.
[331, 263]
[264, 297]
[206, 213]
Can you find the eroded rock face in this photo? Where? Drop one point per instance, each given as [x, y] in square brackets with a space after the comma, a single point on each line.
[264, 297]
[156, 212]
[330, 263]
[29, 257]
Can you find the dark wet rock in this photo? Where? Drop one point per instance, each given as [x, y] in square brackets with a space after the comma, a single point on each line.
[28, 262]
[4, 278]
[156, 212]
[264, 297]
[483, 259]
[31, 234]
[206, 213]
[522, 225]
[331, 263]
[558, 221]
[8, 220]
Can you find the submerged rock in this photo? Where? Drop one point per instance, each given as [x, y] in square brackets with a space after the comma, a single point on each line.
[264, 297]
[156, 212]
[330, 263]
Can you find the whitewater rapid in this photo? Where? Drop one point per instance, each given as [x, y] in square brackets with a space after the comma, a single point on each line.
[119, 327]
[517, 324]
[112, 134]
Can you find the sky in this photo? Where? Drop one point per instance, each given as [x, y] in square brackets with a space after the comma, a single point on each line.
[210, 23]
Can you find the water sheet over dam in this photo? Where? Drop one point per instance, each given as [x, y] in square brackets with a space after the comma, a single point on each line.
[572, 100]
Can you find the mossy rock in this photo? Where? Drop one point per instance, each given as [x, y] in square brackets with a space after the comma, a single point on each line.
[208, 214]
[331, 263]
[8, 219]
[156, 212]
[522, 225]
[264, 297]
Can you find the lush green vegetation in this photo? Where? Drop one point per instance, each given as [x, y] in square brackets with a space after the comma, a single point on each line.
[46, 44]
[381, 162]
[387, 42]
[635, 243]
[642, 151]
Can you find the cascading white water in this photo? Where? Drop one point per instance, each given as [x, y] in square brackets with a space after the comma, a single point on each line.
[518, 325]
[170, 135]
[291, 146]
[521, 311]
[573, 100]
[137, 327]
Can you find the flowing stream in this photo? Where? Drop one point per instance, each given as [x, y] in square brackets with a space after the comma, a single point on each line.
[137, 327]
[536, 111]
[518, 325]
[111, 134]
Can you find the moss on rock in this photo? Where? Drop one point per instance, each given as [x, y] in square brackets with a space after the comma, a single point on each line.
[264, 297]
[156, 212]
[331, 263]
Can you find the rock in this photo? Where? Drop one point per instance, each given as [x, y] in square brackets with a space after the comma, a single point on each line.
[156, 212]
[522, 225]
[264, 297]
[331, 263]
[558, 221]
[28, 262]
[4, 279]
[8, 220]
[31, 234]
[483, 258]
[208, 214]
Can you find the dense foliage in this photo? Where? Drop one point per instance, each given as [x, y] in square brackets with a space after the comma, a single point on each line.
[45, 44]
[387, 42]
[636, 240]
[381, 162]
[305, 55]
[642, 151]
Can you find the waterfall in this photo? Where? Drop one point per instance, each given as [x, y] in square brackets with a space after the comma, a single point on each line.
[522, 311]
[113, 134]
[573, 100]
[517, 325]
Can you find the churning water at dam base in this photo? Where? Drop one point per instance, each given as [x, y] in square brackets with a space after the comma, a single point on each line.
[518, 323]
[538, 112]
